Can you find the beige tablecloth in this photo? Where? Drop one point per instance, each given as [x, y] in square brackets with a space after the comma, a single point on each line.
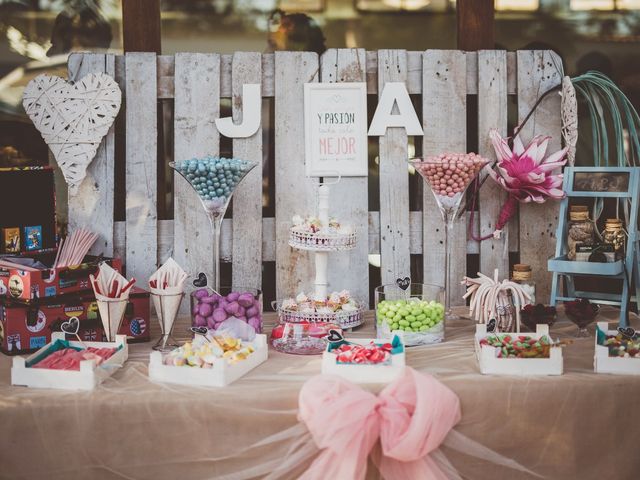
[576, 426]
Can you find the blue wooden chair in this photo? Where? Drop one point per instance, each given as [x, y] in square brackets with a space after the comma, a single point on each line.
[578, 183]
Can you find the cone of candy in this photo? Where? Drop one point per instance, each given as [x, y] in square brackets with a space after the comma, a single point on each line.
[167, 290]
[112, 296]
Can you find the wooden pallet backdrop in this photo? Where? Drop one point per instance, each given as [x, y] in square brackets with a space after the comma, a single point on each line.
[444, 79]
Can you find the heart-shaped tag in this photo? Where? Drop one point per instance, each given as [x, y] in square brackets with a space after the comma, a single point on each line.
[71, 326]
[403, 283]
[201, 281]
[199, 330]
[334, 336]
[73, 118]
[491, 326]
[627, 332]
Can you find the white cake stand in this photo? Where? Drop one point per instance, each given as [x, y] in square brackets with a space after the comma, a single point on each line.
[322, 244]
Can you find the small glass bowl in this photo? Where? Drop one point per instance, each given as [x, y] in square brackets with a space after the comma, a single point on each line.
[540, 314]
[301, 338]
[581, 312]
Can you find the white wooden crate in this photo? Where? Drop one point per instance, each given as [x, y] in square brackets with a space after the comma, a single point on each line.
[491, 365]
[365, 373]
[87, 378]
[197, 83]
[603, 363]
[220, 375]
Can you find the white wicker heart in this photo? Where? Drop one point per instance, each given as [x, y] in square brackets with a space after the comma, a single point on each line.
[72, 118]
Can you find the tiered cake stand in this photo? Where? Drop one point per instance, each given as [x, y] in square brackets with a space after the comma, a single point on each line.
[322, 244]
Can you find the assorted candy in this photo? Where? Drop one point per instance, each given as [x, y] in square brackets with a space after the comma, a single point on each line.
[335, 302]
[518, 346]
[202, 353]
[210, 309]
[621, 346]
[450, 173]
[410, 315]
[214, 178]
[371, 354]
[70, 358]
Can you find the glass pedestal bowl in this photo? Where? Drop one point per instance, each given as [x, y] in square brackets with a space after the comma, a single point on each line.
[532, 316]
[581, 312]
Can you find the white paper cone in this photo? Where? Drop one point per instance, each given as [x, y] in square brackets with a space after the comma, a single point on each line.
[167, 306]
[111, 313]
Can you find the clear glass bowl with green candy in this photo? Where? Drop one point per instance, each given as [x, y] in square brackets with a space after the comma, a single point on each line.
[417, 311]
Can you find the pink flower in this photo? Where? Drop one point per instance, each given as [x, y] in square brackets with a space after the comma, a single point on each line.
[525, 172]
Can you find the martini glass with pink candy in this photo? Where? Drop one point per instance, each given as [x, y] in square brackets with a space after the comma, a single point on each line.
[449, 175]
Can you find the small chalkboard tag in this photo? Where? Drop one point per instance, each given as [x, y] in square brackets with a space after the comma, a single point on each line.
[199, 330]
[491, 326]
[334, 336]
[627, 332]
[71, 326]
[403, 283]
[201, 281]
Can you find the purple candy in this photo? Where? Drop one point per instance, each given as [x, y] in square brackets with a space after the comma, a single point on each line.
[232, 308]
[246, 299]
[211, 323]
[200, 321]
[212, 299]
[205, 309]
[233, 296]
[240, 312]
[256, 324]
[195, 308]
[253, 311]
[203, 292]
[219, 315]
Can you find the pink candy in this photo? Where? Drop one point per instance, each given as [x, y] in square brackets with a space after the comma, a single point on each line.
[450, 173]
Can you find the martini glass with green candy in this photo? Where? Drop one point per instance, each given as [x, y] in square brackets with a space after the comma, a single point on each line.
[214, 179]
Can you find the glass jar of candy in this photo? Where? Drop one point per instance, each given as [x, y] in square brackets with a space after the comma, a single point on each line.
[417, 311]
[210, 308]
[522, 276]
[614, 235]
[581, 229]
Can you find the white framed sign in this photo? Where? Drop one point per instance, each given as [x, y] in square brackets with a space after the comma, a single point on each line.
[335, 129]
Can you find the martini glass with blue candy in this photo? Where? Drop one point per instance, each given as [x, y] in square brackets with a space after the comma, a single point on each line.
[214, 179]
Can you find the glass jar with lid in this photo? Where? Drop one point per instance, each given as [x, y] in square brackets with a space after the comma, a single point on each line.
[522, 275]
[614, 235]
[581, 229]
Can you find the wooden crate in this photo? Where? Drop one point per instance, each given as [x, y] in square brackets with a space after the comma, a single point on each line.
[443, 81]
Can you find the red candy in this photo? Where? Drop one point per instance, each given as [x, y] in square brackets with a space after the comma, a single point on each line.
[364, 354]
[69, 358]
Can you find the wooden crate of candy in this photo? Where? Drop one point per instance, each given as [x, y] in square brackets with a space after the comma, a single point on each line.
[517, 354]
[77, 366]
[365, 360]
[617, 351]
[198, 364]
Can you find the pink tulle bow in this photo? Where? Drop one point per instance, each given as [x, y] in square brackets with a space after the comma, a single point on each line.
[411, 417]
